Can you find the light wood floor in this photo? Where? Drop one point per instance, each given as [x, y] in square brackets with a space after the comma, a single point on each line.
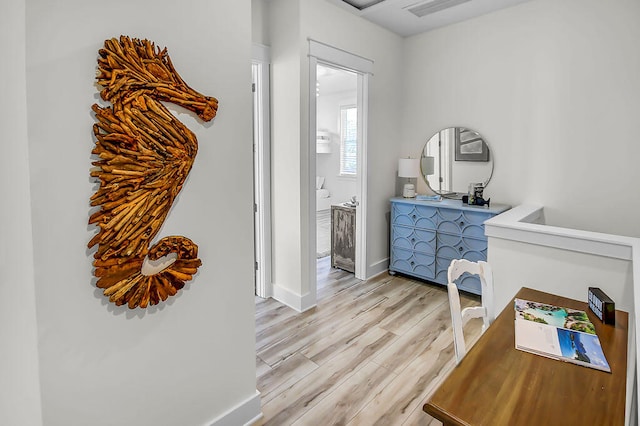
[370, 353]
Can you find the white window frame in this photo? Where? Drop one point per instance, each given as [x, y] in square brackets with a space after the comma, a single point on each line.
[343, 112]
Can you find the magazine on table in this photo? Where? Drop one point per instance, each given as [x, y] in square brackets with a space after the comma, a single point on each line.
[559, 333]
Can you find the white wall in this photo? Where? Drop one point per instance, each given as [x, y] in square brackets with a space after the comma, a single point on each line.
[187, 361]
[20, 390]
[291, 23]
[547, 83]
[330, 24]
[553, 270]
[259, 22]
[284, 34]
[553, 86]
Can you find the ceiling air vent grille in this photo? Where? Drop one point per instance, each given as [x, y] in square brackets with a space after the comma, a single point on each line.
[434, 6]
[362, 4]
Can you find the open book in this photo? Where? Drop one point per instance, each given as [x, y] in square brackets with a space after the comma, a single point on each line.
[559, 333]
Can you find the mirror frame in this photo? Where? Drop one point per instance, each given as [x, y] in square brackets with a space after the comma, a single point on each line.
[483, 155]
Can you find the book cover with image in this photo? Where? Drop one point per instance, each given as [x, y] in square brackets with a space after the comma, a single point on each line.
[558, 333]
[571, 319]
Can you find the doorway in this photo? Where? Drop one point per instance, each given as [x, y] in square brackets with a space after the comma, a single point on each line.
[322, 59]
[336, 162]
[261, 171]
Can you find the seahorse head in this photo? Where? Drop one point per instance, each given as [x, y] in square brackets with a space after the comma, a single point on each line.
[129, 67]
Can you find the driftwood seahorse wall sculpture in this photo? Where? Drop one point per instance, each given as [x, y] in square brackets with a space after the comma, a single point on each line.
[145, 155]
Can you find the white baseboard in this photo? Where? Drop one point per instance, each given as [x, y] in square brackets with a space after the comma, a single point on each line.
[378, 267]
[246, 413]
[293, 300]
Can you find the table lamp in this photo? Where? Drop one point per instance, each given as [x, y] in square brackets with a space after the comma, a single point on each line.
[409, 168]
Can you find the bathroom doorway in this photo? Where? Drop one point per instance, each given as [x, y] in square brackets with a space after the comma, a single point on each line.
[326, 60]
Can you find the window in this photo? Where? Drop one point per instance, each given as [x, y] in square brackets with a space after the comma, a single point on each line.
[348, 140]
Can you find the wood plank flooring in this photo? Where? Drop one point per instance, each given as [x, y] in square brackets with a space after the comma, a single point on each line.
[370, 353]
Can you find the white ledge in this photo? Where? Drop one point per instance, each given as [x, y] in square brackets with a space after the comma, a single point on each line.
[525, 223]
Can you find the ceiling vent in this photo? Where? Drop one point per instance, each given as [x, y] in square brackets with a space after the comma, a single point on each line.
[362, 4]
[424, 9]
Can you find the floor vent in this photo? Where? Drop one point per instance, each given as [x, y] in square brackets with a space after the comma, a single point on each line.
[433, 6]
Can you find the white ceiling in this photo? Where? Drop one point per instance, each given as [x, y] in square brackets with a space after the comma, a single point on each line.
[395, 15]
[332, 81]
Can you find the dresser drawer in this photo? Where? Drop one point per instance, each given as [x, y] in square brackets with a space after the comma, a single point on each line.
[414, 239]
[451, 246]
[413, 263]
[423, 217]
[470, 283]
[467, 223]
[466, 282]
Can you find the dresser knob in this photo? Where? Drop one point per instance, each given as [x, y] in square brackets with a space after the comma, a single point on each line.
[414, 216]
[460, 249]
[413, 240]
[413, 263]
[461, 223]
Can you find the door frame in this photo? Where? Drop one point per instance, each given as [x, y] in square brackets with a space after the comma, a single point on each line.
[325, 54]
[260, 71]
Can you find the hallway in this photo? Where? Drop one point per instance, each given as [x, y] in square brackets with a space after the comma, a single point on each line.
[370, 353]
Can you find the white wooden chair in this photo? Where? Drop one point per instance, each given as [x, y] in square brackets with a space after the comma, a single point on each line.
[459, 317]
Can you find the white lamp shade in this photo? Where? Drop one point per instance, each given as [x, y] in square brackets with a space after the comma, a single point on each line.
[409, 167]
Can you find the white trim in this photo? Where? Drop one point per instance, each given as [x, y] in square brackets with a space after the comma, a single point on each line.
[526, 223]
[294, 301]
[631, 407]
[312, 278]
[256, 421]
[262, 171]
[378, 267]
[260, 53]
[343, 114]
[363, 67]
[361, 178]
[246, 412]
[339, 57]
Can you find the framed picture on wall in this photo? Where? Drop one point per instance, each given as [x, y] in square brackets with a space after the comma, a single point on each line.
[470, 146]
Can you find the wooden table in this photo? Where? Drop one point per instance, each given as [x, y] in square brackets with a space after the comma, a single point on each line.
[496, 384]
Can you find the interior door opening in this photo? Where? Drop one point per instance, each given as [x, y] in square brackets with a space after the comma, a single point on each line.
[336, 168]
[325, 59]
[261, 171]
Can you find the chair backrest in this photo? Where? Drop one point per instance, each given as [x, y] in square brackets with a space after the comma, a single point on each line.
[459, 317]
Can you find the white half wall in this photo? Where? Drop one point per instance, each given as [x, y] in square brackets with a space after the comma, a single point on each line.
[191, 359]
[559, 271]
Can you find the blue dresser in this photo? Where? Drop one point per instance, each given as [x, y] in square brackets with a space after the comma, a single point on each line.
[427, 235]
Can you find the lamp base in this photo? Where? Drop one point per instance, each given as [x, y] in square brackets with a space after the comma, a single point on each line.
[409, 190]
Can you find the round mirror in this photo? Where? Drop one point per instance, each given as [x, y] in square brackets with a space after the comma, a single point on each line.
[453, 158]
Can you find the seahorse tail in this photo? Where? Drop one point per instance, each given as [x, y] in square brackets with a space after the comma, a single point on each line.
[126, 283]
